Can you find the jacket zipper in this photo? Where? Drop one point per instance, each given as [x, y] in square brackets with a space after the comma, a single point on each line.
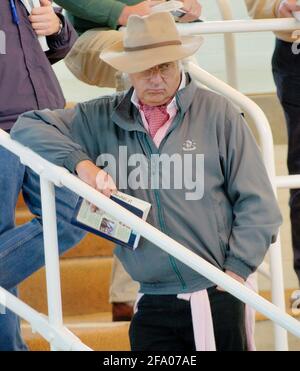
[163, 228]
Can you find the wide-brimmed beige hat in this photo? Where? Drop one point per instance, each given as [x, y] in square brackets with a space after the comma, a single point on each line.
[149, 41]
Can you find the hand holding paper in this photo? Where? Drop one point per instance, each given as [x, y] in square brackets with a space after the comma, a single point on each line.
[95, 177]
[188, 10]
[192, 9]
[44, 20]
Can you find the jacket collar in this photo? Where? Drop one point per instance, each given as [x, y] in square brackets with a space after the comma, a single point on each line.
[126, 115]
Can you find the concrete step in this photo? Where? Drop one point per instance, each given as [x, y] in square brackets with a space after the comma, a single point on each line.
[91, 246]
[85, 287]
[267, 295]
[264, 337]
[99, 336]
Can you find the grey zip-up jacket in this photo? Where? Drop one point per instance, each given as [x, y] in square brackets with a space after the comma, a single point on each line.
[230, 220]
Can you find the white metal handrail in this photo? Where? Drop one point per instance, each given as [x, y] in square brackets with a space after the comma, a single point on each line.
[236, 26]
[59, 176]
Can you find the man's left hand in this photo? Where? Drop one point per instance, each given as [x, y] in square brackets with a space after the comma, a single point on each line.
[235, 276]
[44, 20]
[193, 11]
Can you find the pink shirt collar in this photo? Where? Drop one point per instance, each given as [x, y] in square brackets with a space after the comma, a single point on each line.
[171, 109]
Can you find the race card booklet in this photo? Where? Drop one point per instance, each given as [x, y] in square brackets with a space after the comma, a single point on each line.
[103, 224]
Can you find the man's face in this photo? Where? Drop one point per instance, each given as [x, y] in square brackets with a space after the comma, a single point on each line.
[158, 85]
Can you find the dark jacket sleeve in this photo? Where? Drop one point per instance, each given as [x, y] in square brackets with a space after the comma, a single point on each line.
[256, 215]
[104, 13]
[61, 44]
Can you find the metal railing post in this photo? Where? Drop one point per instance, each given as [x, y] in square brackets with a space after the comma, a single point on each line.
[51, 253]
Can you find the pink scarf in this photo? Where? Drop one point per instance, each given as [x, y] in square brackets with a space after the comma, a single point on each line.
[156, 117]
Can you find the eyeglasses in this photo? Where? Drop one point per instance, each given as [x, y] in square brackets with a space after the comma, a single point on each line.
[165, 70]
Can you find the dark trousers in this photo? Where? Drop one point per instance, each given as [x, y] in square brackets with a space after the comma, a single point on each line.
[164, 323]
[286, 72]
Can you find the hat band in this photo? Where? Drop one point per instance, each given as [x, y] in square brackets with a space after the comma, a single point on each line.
[152, 46]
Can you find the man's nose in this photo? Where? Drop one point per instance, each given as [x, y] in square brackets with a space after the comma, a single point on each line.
[156, 77]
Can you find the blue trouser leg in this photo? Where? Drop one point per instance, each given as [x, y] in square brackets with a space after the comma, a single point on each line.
[21, 248]
[11, 178]
[286, 71]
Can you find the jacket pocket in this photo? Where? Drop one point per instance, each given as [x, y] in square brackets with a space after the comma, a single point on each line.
[223, 230]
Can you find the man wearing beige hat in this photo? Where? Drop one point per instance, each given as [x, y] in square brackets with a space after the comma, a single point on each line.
[97, 23]
[189, 153]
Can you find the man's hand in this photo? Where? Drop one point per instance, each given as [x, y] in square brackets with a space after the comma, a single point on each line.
[286, 8]
[96, 178]
[193, 11]
[232, 275]
[44, 20]
[143, 8]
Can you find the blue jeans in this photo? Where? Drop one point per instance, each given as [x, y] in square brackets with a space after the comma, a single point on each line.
[286, 72]
[21, 248]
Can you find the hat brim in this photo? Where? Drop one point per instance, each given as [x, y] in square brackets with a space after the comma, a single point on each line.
[141, 60]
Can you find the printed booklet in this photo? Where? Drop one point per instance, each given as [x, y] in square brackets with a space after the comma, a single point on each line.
[105, 225]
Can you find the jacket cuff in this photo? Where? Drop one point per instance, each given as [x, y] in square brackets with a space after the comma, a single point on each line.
[238, 267]
[73, 160]
[62, 35]
[115, 13]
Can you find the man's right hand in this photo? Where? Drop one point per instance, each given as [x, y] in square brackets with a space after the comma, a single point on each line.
[286, 8]
[96, 178]
[143, 8]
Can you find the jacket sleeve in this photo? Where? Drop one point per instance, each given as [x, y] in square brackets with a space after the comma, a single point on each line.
[61, 44]
[103, 12]
[256, 215]
[62, 137]
[261, 9]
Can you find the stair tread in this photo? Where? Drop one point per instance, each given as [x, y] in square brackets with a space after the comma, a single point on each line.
[103, 319]
[85, 286]
[267, 295]
[99, 336]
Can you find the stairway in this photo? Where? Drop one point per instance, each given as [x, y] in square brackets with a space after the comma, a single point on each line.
[85, 279]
